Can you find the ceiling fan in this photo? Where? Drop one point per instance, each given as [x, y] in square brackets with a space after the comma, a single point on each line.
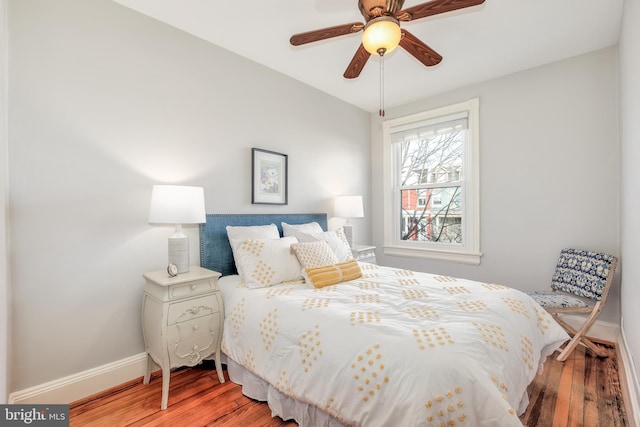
[382, 32]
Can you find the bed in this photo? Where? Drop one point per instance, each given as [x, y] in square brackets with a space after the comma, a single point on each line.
[392, 347]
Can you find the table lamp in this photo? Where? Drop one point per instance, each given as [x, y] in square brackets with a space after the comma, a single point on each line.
[348, 207]
[177, 204]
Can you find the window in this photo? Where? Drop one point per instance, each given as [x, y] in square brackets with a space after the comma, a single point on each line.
[431, 169]
[422, 197]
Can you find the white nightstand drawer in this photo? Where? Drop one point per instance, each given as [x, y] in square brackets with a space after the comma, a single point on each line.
[184, 331]
[191, 352]
[191, 309]
[189, 289]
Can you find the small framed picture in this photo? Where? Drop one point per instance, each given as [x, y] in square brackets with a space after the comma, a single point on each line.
[269, 176]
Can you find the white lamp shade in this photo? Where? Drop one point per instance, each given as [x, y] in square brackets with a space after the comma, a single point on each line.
[177, 204]
[348, 207]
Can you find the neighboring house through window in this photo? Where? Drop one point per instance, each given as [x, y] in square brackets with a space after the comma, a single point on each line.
[431, 166]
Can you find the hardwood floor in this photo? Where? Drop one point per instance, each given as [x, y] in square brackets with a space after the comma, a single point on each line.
[582, 391]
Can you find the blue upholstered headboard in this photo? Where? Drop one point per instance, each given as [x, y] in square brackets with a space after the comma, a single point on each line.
[215, 250]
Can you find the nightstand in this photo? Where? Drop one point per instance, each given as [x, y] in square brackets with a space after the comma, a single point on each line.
[181, 321]
[364, 253]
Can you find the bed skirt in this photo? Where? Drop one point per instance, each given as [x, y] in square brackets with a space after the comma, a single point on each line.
[283, 406]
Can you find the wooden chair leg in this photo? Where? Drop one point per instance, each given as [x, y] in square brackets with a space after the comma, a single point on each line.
[599, 351]
[571, 345]
[578, 336]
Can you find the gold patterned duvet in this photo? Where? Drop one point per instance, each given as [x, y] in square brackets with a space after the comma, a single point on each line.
[395, 347]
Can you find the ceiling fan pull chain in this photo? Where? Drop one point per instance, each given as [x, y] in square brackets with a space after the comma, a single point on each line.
[381, 111]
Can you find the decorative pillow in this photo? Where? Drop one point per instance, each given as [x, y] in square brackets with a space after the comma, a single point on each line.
[331, 274]
[314, 254]
[336, 240]
[309, 227]
[266, 262]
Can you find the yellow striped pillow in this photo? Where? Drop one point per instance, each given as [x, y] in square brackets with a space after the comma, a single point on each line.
[327, 275]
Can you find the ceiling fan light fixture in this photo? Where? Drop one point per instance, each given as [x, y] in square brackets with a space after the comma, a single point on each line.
[381, 35]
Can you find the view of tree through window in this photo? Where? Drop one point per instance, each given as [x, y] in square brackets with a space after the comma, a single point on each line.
[430, 161]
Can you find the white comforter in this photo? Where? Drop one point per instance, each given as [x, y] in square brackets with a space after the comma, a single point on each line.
[394, 348]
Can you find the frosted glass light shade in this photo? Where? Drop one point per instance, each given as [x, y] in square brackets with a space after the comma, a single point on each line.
[348, 207]
[177, 204]
[381, 33]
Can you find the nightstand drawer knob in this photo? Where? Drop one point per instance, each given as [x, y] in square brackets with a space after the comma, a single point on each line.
[196, 327]
[193, 287]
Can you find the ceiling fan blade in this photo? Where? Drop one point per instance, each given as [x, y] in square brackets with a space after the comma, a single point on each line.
[435, 7]
[357, 63]
[419, 50]
[325, 33]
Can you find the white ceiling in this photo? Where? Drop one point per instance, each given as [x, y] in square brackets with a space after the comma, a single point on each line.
[479, 43]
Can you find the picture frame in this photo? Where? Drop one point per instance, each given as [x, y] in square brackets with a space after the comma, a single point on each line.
[269, 177]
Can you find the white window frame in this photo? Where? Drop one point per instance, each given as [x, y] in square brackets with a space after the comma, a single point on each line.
[469, 252]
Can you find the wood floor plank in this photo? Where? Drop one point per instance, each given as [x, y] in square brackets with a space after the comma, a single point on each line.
[550, 398]
[563, 398]
[590, 391]
[576, 406]
[189, 411]
[614, 387]
[584, 391]
[606, 399]
[182, 387]
[251, 415]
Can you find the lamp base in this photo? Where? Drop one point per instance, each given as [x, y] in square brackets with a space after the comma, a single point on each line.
[348, 232]
[179, 252]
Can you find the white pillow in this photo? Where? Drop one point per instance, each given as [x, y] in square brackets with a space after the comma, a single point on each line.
[266, 262]
[252, 232]
[314, 254]
[336, 240]
[309, 227]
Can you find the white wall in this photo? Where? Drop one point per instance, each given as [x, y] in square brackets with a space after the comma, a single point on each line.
[104, 103]
[4, 206]
[548, 171]
[630, 206]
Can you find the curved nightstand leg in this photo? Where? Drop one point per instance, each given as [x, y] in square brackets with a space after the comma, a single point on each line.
[219, 367]
[147, 374]
[166, 376]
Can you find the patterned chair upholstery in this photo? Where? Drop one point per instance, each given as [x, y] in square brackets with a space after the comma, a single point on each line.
[580, 284]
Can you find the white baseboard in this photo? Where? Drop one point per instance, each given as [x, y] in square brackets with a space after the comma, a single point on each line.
[631, 376]
[83, 384]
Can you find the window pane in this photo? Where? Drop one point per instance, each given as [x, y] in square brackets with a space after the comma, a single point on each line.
[432, 215]
[430, 159]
